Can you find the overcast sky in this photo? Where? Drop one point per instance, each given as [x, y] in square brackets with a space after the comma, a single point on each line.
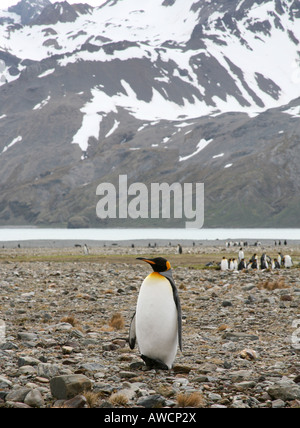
[4, 4]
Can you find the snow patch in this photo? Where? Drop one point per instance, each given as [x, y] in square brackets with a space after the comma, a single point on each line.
[14, 141]
[46, 73]
[42, 104]
[159, 108]
[115, 126]
[93, 110]
[200, 146]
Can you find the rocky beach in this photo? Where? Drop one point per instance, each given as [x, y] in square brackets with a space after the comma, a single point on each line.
[66, 314]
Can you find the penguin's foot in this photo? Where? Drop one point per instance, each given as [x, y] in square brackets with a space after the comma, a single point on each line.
[154, 364]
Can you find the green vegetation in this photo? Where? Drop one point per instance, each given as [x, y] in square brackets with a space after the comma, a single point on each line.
[197, 259]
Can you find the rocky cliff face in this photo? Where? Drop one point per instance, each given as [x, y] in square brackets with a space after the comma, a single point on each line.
[28, 11]
[163, 91]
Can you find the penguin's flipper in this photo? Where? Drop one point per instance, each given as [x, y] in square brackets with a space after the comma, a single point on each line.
[169, 276]
[154, 364]
[132, 333]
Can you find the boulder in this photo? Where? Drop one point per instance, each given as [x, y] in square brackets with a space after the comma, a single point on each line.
[68, 386]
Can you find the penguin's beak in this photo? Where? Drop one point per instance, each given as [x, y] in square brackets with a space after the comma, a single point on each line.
[146, 260]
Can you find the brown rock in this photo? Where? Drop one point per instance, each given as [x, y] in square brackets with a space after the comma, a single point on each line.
[76, 402]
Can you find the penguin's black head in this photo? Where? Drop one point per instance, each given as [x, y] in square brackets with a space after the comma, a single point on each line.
[159, 264]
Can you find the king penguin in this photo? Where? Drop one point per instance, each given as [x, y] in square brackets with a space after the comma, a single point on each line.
[156, 325]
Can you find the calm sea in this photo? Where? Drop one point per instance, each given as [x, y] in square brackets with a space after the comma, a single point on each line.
[24, 234]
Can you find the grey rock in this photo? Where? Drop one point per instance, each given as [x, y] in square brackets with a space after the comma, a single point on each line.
[5, 383]
[241, 375]
[213, 396]
[152, 401]
[239, 336]
[27, 361]
[285, 389]
[17, 405]
[92, 367]
[48, 370]
[127, 375]
[27, 370]
[25, 336]
[238, 403]
[68, 386]
[6, 346]
[241, 386]
[278, 404]
[34, 398]
[76, 402]
[17, 394]
[201, 379]
[226, 303]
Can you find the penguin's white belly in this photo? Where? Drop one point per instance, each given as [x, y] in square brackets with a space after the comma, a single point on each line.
[157, 320]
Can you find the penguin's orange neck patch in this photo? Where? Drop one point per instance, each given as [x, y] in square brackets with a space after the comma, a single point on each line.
[155, 275]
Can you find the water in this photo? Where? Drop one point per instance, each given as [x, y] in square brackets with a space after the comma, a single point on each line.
[25, 234]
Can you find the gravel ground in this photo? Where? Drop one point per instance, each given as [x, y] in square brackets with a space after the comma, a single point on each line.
[67, 315]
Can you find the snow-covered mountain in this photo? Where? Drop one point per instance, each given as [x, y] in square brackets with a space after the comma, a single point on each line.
[92, 91]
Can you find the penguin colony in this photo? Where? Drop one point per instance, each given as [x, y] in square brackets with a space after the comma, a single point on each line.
[265, 262]
[156, 325]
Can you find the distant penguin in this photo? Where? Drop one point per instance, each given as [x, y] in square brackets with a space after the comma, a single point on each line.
[179, 249]
[254, 264]
[242, 265]
[241, 254]
[85, 250]
[288, 262]
[224, 264]
[276, 264]
[263, 262]
[156, 325]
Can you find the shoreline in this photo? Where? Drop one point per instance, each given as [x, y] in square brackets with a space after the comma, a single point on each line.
[150, 243]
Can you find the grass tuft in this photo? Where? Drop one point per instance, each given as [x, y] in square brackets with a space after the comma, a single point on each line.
[195, 399]
[117, 322]
[118, 399]
[92, 398]
[273, 284]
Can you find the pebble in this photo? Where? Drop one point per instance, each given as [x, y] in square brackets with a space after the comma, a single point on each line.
[278, 404]
[76, 402]
[5, 383]
[237, 347]
[152, 401]
[18, 394]
[34, 398]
